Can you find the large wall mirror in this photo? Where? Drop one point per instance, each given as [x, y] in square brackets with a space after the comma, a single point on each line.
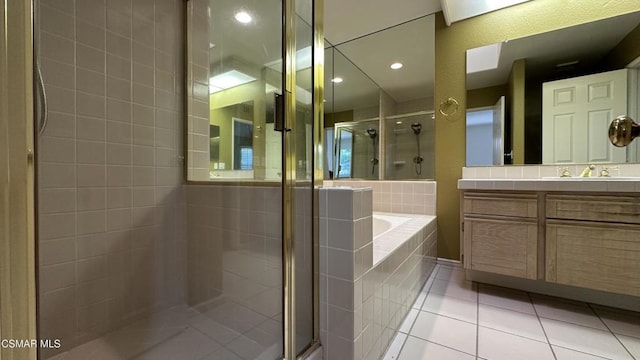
[564, 87]
[371, 105]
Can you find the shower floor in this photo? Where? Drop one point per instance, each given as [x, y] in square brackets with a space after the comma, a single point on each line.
[223, 330]
[243, 323]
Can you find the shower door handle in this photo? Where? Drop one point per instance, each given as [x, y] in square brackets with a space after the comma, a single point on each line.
[42, 97]
[279, 124]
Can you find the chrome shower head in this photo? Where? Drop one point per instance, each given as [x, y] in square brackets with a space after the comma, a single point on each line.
[372, 133]
[416, 127]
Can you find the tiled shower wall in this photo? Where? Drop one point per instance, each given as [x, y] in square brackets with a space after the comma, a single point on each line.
[234, 244]
[235, 251]
[111, 204]
[198, 90]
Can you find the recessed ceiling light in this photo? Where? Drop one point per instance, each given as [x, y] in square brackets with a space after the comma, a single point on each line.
[337, 80]
[399, 122]
[396, 66]
[243, 17]
[228, 80]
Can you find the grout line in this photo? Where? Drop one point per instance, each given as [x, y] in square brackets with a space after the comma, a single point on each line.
[611, 331]
[434, 272]
[542, 326]
[477, 320]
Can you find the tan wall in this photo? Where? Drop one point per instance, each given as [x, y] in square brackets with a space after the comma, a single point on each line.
[516, 109]
[331, 119]
[625, 52]
[451, 45]
[485, 96]
[17, 254]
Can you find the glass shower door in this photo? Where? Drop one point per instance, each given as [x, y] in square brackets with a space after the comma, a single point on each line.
[135, 262]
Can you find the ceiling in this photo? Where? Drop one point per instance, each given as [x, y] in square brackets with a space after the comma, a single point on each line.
[586, 43]
[367, 33]
[374, 36]
[349, 19]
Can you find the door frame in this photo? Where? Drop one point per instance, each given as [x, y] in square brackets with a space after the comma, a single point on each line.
[17, 195]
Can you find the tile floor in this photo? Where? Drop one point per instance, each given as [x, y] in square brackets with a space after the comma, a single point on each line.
[456, 319]
[244, 323]
[223, 331]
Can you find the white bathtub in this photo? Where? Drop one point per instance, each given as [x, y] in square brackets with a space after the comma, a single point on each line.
[392, 230]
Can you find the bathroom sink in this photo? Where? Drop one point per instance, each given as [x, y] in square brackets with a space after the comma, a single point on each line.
[593, 178]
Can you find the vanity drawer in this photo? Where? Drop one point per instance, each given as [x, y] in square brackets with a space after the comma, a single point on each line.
[600, 256]
[496, 245]
[620, 209]
[500, 204]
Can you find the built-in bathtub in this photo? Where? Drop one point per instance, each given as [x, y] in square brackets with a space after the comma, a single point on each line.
[391, 230]
[370, 277]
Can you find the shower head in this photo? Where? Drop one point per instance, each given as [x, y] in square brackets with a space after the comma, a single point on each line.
[416, 127]
[372, 133]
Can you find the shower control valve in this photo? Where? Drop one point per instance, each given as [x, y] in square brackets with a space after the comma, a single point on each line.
[418, 160]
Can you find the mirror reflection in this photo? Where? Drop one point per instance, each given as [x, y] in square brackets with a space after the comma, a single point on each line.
[235, 69]
[562, 89]
[381, 82]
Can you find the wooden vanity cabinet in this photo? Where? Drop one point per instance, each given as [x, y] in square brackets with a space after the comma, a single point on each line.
[500, 233]
[594, 242]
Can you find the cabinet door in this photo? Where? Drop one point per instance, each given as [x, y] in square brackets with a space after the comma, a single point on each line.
[507, 247]
[601, 256]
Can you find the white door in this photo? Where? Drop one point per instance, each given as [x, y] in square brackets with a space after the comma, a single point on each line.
[273, 157]
[498, 132]
[576, 114]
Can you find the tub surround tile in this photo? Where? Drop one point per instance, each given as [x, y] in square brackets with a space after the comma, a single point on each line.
[411, 197]
[380, 293]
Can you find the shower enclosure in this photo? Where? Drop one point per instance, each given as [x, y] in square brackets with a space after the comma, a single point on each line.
[178, 222]
[410, 147]
[356, 150]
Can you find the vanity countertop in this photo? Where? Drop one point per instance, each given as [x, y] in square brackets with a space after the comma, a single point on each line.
[554, 184]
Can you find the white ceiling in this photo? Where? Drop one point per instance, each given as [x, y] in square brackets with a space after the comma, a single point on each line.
[253, 45]
[375, 35]
[348, 19]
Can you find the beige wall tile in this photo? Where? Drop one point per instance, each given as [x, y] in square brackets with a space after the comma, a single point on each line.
[91, 199]
[91, 152]
[57, 200]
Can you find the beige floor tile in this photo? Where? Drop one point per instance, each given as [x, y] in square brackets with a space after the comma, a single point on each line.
[456, 334]
[497, 345]
[419, 349]
[585, 339]
[451, 307]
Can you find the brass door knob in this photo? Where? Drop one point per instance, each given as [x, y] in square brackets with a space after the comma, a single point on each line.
[623, 130]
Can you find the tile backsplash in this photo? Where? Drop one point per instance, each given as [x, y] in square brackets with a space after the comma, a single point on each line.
[540, 171]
